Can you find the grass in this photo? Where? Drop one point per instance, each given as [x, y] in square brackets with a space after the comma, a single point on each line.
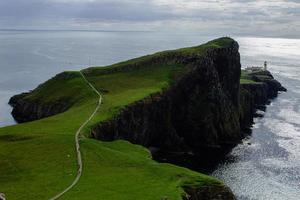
[123, 88]
[246, 78]
[197, 50]
[38, 158]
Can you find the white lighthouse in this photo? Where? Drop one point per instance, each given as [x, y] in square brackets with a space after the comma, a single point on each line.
[265, 66]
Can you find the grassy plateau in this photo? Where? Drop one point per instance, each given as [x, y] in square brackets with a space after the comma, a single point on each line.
[38, 158]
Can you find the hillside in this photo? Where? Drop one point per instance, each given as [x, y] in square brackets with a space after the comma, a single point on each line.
[39, 160]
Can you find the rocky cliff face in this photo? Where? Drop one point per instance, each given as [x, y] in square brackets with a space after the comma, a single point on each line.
[256, 95]
[24, 110]
[209, 193]
[200, 110]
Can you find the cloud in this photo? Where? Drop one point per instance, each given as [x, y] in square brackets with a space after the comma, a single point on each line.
[230, 16]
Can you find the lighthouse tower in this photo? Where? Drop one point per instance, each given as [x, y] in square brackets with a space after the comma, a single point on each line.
[265, 66]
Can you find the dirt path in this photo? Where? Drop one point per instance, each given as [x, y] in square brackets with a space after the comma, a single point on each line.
[77, 142]
[2, 196]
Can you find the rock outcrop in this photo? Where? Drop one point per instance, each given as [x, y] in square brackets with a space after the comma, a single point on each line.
[25, 110]
[214, 192]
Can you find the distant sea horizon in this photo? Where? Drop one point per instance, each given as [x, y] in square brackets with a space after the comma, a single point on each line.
[153, 31]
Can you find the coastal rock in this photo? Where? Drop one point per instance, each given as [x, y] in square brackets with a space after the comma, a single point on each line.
[209, 193]
[25, 110]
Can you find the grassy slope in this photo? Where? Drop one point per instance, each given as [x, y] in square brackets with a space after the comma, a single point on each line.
[246, 79]
[38, 158]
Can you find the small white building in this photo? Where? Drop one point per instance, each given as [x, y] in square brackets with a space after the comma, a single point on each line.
[254, 69]
[257, 68]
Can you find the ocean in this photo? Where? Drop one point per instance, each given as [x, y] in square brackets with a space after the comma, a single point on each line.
[265, 166]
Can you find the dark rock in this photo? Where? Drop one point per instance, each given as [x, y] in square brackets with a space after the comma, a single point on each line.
[25, 110]
[209, 193]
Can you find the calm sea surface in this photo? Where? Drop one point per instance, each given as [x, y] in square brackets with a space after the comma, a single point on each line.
[269, 168]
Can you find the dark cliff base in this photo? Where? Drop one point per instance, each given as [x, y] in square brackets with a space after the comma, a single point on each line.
[209, 193]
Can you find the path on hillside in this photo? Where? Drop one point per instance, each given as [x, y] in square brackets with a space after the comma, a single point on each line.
[77, 142]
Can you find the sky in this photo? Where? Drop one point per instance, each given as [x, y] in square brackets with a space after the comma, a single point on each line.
[227, 17]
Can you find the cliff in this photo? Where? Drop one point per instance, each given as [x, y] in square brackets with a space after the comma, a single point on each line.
[199, 110]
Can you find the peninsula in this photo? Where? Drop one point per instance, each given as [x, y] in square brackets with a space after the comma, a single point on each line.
[190, 101]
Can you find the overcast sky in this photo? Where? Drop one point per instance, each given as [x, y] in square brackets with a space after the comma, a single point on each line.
[237, 17]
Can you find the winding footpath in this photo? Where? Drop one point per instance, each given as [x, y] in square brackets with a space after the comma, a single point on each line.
[77, 142]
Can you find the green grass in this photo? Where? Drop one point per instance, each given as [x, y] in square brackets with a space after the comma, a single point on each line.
[123, 88]
[246, 78]
[38, 158]
[247, 81]
[197, 50]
